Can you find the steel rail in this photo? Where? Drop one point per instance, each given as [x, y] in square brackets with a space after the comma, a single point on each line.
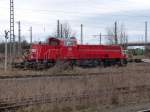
[52, 76]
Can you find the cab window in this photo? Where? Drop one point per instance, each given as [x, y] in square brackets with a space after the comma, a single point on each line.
[70, 43]
[54, 42]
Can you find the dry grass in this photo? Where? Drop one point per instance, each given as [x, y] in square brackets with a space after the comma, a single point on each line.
[133, 68]
[134, 77]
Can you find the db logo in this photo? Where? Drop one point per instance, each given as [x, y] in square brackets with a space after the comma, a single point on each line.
[69, 49]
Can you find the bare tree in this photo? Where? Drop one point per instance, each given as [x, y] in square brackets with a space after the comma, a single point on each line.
[110, 35]
[122, 37]
[65, 31]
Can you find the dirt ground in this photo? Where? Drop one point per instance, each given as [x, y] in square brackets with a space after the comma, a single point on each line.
[127, 108]
[130, 86]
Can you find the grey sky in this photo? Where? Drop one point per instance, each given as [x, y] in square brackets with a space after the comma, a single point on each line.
[96, 15]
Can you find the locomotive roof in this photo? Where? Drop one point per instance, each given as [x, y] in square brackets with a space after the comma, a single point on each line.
[61, 39]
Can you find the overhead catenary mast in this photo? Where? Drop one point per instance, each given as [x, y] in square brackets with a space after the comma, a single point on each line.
[100, 39]
[30, 35]
[58, 29]
[6, 57]
[19, 38]
[12, 35]
[116, 36]
[81, 34]
[61, 31]
[146, 35]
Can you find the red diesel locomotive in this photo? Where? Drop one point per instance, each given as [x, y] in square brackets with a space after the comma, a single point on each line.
[67, 50]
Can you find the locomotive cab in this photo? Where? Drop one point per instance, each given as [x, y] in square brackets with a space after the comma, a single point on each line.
[62, 41]
[70, 42]
[54, 42]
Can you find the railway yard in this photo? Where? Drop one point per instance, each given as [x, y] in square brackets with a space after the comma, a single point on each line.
[110, 89]
[74, 56]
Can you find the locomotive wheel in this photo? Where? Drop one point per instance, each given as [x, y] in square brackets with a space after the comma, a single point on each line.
[64, 64]
[106, 63]
[122, 62]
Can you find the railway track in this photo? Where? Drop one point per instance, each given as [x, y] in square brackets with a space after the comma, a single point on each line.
[144, 110]
[44, 99]
[50, 76]
[61, 75]
[14, 104]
